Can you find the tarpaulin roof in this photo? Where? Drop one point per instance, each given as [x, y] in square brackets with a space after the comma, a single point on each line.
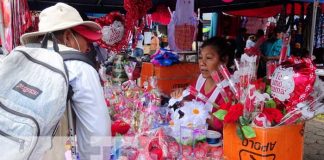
[270, 11]
[259, 8]
[104, 6]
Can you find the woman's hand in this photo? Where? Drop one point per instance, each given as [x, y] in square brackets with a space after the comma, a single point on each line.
[210, 121]
[177, 93]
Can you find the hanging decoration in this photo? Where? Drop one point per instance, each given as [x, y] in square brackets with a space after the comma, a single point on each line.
[136, 10]
[15, 14]
[183, 26]
[115, 34]
[293, 81]
[161, 15]
[118, 29]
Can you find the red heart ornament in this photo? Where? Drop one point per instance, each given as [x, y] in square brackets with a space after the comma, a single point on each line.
[119, 127]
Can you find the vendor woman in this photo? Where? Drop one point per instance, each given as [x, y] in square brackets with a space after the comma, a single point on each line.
[213, 53]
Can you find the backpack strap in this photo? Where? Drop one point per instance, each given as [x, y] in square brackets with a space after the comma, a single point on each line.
[45, 41]
[69, 56]
[76, 55]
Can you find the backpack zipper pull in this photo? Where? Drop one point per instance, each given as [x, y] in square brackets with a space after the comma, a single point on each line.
[22, 145]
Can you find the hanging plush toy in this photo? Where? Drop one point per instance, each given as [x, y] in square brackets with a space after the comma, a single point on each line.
[183, 26]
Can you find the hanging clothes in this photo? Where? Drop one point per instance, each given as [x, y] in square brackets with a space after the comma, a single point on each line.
[319, 31]
[7, 13]
[183, 26]
[298, 39]
[282, 18]
[17, 21]
[21, 18]
[308, 28]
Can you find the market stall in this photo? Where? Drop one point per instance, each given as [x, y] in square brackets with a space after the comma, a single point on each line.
[150, 124]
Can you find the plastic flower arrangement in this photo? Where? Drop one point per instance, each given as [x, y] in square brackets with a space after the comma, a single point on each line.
[188, 123]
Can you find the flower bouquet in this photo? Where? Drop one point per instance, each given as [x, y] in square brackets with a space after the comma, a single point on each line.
[288, 98]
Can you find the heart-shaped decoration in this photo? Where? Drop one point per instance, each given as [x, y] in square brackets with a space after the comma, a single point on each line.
[293, 81]
[113, 33]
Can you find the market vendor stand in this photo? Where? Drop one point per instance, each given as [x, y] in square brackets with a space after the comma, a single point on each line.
[158, 70]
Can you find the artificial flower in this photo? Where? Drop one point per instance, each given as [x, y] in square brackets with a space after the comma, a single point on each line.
[234, 113]
[195, 112]
[119, 127]
[225, 106]
[273, 114]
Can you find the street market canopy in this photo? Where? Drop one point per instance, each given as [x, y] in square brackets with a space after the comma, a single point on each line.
[269, 11]
[105, 6]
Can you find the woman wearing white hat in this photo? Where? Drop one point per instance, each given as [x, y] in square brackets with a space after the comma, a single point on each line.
[72, 33]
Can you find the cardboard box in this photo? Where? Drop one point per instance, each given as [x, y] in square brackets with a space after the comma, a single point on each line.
[171, 77]
[277, 143]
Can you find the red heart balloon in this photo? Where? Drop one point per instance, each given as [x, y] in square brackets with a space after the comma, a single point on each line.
[293, 81]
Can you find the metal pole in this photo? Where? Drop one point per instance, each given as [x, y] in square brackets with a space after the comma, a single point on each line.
[71, 130]
[198, 39]
[312, 36]
[2, 32]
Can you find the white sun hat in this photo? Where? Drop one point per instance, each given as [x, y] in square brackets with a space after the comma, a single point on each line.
[55, 18]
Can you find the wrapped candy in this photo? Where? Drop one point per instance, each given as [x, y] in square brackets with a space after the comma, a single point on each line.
[129, 104]
[202, 97]
[304, 111]
[261, 121]
[225, 73]
[187, 151]
[163, 147]
[173, 150]
[271, 66]
[200, 153]
[129, 69]
[284, 48]
[216, 153]
[200, 150]
[154, 93]
[218, 82]
[129, 153]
